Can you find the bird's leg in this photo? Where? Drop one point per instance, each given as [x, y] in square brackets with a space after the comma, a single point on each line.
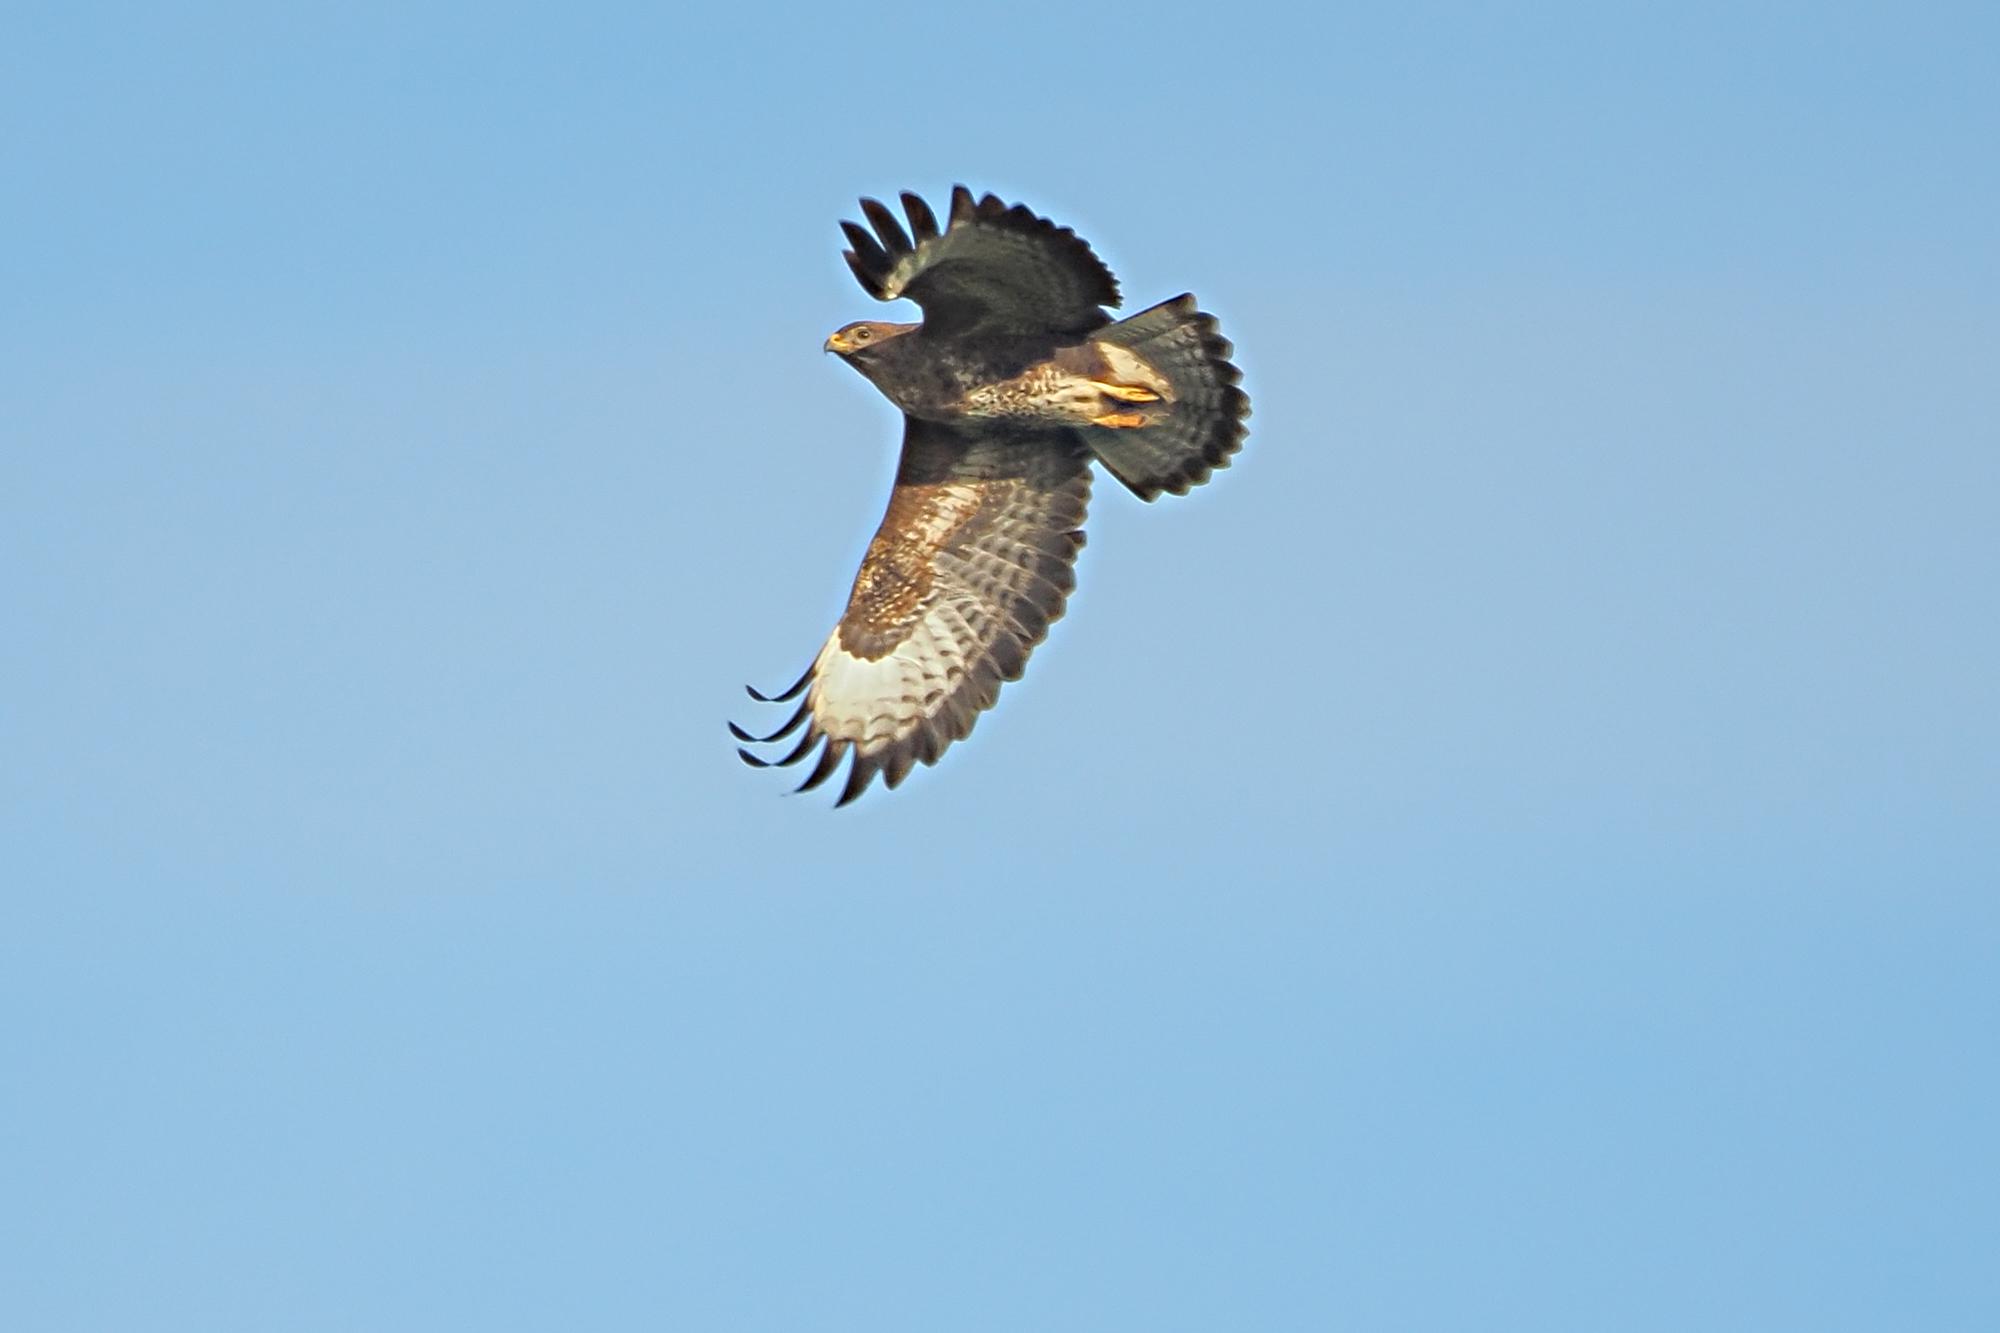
[1125, 393]
[1122, 393]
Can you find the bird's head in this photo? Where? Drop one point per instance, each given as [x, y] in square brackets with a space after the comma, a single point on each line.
[857, 340]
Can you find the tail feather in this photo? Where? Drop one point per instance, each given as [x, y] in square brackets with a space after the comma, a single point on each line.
[1199, 426]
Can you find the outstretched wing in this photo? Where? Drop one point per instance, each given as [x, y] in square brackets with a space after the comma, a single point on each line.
[971, 564]
[994, 269]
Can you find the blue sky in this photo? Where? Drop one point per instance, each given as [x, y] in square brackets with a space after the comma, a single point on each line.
[1516, 851]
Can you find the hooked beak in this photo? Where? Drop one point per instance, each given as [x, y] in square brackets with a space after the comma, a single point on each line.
[836, 343]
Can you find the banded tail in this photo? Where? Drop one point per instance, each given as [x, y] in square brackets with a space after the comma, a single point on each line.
[1200, 423]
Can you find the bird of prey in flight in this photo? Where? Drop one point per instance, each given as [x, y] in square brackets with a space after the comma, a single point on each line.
[1015, 381]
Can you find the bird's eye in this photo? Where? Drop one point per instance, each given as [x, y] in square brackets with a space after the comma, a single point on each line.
[863, 334]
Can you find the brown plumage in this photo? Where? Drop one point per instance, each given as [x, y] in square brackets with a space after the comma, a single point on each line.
[1014, 381]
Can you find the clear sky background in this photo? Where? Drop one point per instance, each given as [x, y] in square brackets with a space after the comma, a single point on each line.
[1518, 851]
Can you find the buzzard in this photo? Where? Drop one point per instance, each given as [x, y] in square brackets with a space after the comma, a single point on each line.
[1015, 381]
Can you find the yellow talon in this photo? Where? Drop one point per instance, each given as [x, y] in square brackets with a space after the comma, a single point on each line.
[1125, 393]
[1119, 419]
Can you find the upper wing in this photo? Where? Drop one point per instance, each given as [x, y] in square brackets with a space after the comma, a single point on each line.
[994, 268]
[971, 564]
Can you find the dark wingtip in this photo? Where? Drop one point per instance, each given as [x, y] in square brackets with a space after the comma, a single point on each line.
[868, 251]
[923, 222]
[859, 774]
[894, 238]
[869, 282]
[829, 759]
[790, 725]
[962, 207]
[791, 692]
